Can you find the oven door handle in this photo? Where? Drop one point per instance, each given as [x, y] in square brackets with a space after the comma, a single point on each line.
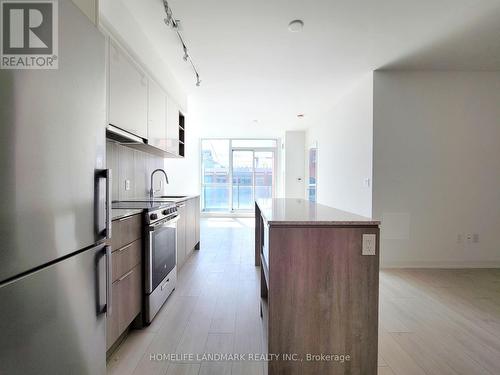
[164, 224]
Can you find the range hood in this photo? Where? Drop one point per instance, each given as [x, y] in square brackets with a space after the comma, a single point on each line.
[128, 139]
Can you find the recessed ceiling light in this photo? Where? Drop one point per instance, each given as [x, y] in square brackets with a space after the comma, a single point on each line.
[296, 26]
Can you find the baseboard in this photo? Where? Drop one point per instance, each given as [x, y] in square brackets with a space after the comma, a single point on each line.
[439, 264]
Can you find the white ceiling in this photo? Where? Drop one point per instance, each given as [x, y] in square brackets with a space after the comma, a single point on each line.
[253, 68]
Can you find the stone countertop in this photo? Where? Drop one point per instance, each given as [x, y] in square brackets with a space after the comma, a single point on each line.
[120, 213]
[179, 198]
[301, 212]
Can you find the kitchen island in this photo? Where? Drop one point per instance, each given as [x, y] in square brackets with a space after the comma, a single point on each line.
[319, 287]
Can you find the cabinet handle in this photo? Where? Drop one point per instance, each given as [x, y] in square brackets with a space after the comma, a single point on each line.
[125, 247]
[125, 276]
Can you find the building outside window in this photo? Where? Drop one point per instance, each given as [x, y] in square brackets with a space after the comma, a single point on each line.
[235, 172]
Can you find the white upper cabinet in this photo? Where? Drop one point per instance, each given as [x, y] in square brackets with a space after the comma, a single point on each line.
[128, 94]
[172, 126]
[89, 8]
[157, 116]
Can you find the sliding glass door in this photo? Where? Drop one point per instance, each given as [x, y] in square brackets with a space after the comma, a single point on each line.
[235, 172]
[264, 174]
[243, 180]
[253, 177]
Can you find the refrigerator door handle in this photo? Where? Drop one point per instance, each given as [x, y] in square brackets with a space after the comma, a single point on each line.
[109, 280]
[106, 175]
[108, 203]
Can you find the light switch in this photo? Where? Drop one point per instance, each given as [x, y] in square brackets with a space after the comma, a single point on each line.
[369, 244]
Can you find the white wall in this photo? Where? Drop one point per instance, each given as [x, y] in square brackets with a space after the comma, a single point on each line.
[202, 122]
[294, 164]
[437, 167]
[344, 138]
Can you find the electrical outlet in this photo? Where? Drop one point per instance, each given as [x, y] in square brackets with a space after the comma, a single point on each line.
[127, 184]
[468, 238]
[369, 244]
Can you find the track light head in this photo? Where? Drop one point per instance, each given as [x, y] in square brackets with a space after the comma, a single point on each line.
[175, 24]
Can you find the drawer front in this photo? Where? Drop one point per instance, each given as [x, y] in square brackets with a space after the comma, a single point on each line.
[129, 297]
[126, 258]
[125, 231]
[126, 304]
[112, 329]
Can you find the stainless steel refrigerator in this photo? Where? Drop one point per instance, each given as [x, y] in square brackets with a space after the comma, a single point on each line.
[54, 216]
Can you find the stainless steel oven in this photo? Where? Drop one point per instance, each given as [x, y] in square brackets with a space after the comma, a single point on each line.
[160, 260]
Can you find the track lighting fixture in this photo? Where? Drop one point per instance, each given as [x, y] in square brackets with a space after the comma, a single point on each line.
[170, 21]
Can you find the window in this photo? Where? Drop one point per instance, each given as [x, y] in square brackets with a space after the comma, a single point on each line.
[254, 143]
[236, 172]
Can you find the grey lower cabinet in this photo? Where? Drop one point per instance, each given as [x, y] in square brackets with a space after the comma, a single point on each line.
[188, 229]
[181, 234]
[126, 300]
[197, 226]
[190, 224]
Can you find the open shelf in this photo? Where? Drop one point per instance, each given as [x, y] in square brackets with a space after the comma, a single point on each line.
[182, 133]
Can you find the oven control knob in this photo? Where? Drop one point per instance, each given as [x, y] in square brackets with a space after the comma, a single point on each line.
[165, 212]
[153, 216]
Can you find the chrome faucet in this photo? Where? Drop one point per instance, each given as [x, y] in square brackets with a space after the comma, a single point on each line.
[152, 191]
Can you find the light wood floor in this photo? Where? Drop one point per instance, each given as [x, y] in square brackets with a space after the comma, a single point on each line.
[431, 321]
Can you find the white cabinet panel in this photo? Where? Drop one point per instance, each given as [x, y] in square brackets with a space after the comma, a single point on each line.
[128, 94]
[89, 8]
[172, 126]
[157, 120]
